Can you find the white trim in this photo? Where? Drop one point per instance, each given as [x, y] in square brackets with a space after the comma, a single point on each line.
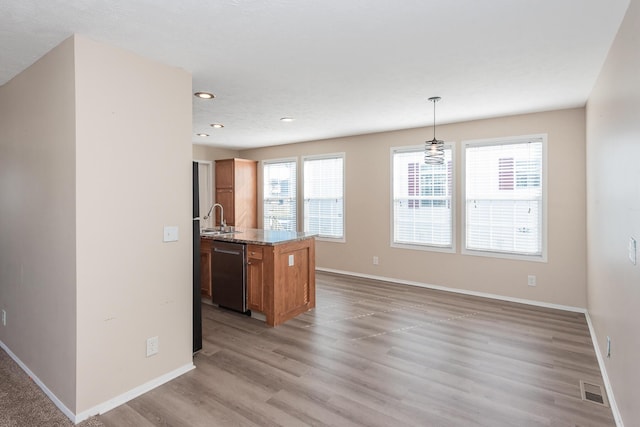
[280, 160]
[210, 191]
[343, 155]
[133, 393]
[261, 188]
[426, 248]
[416, 246]
[543, 137]
[603, 370]
[503, 255]
[66, 411]
[104, 406]
[458, 291]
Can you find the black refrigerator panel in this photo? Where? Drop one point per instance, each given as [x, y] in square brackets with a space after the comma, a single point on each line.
[197, 303]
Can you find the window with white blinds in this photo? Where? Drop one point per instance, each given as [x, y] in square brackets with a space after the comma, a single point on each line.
[279, 194]
[504, 197]
[422, 199]
[324, 195]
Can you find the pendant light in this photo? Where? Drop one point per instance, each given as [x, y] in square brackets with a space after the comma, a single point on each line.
[434, 149]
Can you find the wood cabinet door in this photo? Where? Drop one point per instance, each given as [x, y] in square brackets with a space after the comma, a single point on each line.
[224, 173]
[245, 194]
[225, 197]
[255, 278]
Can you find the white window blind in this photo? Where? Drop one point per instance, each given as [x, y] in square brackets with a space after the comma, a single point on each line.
[504, 197]
[422, 199]
[279, 195]
[324, 196]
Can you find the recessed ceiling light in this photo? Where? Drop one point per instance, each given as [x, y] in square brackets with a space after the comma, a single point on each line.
[204, 95]
[202, 134]
[286, 119]
[217, 125]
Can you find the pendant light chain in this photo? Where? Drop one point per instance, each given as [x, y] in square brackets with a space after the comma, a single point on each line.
[434, 149]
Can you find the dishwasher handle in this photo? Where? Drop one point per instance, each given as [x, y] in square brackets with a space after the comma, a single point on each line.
[224, 251]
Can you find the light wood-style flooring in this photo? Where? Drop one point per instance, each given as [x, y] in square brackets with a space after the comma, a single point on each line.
[381, 354]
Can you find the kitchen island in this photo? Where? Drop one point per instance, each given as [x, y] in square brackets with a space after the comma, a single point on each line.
[280, 271]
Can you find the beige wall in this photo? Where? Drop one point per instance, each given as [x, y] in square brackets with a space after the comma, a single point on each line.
[613, 210]
[207, 152]
[37, 220]
[95, 158]
[133, 178]
[561, 280]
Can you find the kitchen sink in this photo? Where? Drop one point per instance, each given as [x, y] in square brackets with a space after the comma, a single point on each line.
[215, 231]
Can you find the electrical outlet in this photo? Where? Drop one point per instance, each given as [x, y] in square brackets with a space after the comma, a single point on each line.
[531, 280]
[4, 317]
[376, 260]
[152, 346]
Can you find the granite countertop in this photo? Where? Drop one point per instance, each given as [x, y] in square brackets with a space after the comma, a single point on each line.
[259, 236]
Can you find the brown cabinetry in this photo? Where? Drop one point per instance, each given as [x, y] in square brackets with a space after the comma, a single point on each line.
[205, 268]
[288, 282]
[280, 278]
[255, 278]
[237, 192]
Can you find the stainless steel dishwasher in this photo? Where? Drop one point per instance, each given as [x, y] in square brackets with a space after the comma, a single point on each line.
[228, 275]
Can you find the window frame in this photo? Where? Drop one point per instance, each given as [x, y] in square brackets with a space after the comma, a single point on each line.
[297, 187]
[209, 191]
[425, 246]
[342, 155]
[542, 257]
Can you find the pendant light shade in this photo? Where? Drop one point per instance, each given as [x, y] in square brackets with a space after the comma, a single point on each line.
[434, 149]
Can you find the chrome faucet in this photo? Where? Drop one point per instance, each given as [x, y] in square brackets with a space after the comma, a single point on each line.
[208, 215]
[223, 223]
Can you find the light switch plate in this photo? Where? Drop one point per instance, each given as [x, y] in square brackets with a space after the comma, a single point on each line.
[632, 250]
[291, 260]
[170, 233]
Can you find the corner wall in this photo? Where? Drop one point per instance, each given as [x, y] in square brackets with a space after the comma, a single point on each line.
[206, 152]
[38, 220]
[613, 212]
[561, 280]
[133, 178]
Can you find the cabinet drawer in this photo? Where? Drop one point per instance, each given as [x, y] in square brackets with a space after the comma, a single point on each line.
[254, 251]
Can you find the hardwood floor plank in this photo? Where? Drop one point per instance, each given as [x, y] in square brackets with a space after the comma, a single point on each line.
[378, 354]
[307, 411]
[124, 416]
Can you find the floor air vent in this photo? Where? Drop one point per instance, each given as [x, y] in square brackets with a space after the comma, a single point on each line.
[593, 393]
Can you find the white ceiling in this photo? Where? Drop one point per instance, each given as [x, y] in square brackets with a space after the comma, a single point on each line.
[339, 67]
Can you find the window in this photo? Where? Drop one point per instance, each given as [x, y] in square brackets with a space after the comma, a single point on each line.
[205, 191]
[422, 199]
[324, 195]
[504, 197]
[279, 195]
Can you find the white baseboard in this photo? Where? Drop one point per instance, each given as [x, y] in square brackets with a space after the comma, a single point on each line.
[69, 413]
[132, 394]
[457, 291]
[612, 401]
[605, 377]
[105, 406]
